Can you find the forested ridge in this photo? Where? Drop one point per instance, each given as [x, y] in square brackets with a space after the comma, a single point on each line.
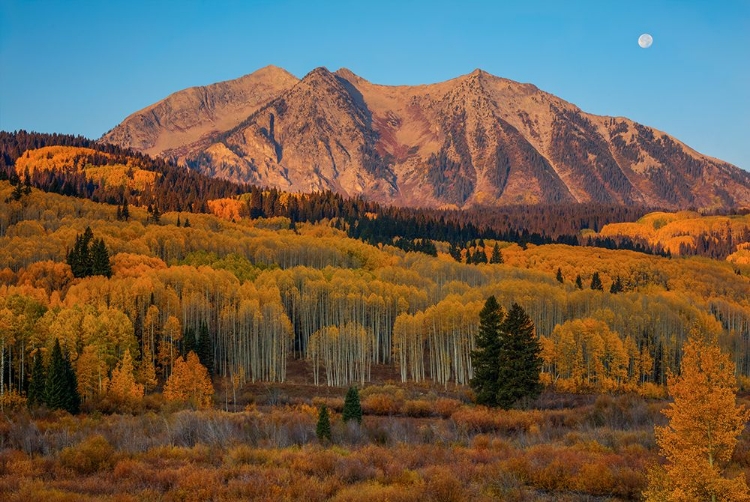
[264, 290]
[111, 174]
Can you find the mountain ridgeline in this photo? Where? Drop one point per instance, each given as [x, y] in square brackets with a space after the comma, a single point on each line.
[473, 141]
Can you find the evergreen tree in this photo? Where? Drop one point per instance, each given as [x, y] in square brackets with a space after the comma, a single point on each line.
[187, 223]
[205, 348]
[188, 341]
[125, 213]
[352, 406]
[100, 264]
[27, 183]
[323, 427]
[596, 282]
[520, 360]
[37, 384]
[616, 286]
[559, 276]
[61, 389]
[17, 190]
[179, 224]
[79, 258]
[455, 252]
[497, 256]
[579, 282]
[480, 256]
[485, 358]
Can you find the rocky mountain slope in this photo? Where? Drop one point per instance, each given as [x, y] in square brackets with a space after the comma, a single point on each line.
[470, 141]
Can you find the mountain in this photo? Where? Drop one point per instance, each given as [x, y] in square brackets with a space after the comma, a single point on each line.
[476, 140]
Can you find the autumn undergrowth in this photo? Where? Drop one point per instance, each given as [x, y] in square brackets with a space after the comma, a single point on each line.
[411, 444]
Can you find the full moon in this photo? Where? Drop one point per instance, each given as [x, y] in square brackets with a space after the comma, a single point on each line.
[645, 41]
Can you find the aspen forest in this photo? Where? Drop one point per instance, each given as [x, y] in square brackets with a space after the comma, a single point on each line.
[205, 330]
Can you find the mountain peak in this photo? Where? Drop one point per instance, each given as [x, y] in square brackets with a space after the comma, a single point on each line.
[474, 140]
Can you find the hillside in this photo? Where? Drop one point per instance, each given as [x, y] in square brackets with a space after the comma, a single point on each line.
[279, 286]
[258, 298]
[476, 140]
[101, 172]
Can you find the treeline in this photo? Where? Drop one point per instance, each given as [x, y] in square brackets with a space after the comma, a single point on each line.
[179, 189]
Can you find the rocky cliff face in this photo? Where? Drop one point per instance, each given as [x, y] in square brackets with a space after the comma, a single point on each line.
[471, 141]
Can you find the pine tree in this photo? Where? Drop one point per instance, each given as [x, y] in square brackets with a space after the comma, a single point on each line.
[485, 359]
[100, 263]
[61, 389]
[323, 427]
[559, 276]
[187, 223]
[205, 348]
[125, 213]
[455, 252]
[704, 424]
[497, 256]
[79, 258]
[352, 406]
[596, 282]
[37, 384]
[520, 361]
[189, 343]
[616, 286]
[17, 190]
[579, 282]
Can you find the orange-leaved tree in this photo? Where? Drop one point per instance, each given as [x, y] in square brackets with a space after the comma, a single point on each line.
[189, 382]
[704, 422]
[123, 390]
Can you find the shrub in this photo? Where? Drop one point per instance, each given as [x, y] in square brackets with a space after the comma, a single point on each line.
[91, 455]
[380, 404]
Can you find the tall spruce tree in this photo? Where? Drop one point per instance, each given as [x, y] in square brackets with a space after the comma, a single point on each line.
[519, 360]
[205, 348]
[323, 427]
[497, 256]
[596, 282]
[79, 258]
[559, 276]
[352, 407]
[100, 264]
[485, 359]
[579, 282]
[35, 393]
[616, 286]
[61, 388]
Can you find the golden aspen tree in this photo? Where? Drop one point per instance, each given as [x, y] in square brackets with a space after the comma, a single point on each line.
[91, 373]
[171, 334]
[123, 390]
[189, 382]
[146, 372]
[704, 423]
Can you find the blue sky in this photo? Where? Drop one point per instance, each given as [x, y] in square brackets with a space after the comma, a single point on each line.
[82, 67]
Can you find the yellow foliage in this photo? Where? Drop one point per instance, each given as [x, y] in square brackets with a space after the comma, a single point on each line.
[672, 229]
[189, 383]
[78, 159]
[123, 389]
[228, 209]
[704, 424]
